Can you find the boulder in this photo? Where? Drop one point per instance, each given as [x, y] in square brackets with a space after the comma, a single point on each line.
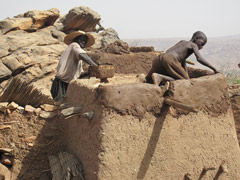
[29, 21]
[104, 38]
[10, 24]
[42, 18]
[80, 18]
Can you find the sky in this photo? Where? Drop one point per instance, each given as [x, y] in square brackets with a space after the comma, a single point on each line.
[134, 19]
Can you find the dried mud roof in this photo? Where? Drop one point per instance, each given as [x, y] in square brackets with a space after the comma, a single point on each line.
[126, 95]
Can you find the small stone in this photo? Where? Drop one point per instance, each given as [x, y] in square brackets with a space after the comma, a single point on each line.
[48, 107]
[30, 144]
[71, 110]
[20, 109]
[88, 115]
[6, 150]
[20, 135]
[30, 139]
[47, 115]
[5, 127]
[7, 111]
[29, 108]
[7, 160]
[65, 105]
[12, 106]
[37, 111]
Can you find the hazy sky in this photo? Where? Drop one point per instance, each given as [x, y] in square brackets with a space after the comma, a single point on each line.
[147, 18]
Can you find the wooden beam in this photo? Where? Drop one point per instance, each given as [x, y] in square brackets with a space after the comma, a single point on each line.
[181, 105]
[190, 62]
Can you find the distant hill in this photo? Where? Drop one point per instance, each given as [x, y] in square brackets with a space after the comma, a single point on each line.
[221, 52]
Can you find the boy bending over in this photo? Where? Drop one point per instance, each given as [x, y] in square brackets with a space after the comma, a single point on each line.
[171, 65]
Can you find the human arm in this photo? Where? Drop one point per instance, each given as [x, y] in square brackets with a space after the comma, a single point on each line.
[87, 59]
[80, 54]
[184, 65]
[200, 59]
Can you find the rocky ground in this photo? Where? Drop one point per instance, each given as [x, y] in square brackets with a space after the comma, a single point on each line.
[31, 140]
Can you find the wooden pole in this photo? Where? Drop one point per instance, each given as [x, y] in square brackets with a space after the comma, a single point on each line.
[190, 62]
[180, 105]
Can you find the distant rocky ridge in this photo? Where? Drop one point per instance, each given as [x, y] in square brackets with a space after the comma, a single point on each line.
[222, 52]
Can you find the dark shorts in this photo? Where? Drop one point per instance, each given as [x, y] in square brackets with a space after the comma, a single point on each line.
[167, 65]
[58, 89]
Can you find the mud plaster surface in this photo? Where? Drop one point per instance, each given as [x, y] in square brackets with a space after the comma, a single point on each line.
[135, 98]
[167, 148]
[115, 145]
[209, 93]
[234, 92]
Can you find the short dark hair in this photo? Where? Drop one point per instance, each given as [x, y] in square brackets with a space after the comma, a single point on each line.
[80, 37]
[199, 35]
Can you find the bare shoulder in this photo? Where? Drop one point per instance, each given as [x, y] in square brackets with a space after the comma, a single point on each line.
[186, 42]
[191, 44]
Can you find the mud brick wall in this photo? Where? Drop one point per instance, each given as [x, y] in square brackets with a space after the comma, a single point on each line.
[135, 135]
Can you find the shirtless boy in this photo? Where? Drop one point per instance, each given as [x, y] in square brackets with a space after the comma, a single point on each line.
[171, 65]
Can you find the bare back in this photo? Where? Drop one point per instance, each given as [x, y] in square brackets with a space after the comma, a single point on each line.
[182, 50]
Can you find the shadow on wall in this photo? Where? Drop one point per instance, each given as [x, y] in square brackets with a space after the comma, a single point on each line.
[152, 143]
